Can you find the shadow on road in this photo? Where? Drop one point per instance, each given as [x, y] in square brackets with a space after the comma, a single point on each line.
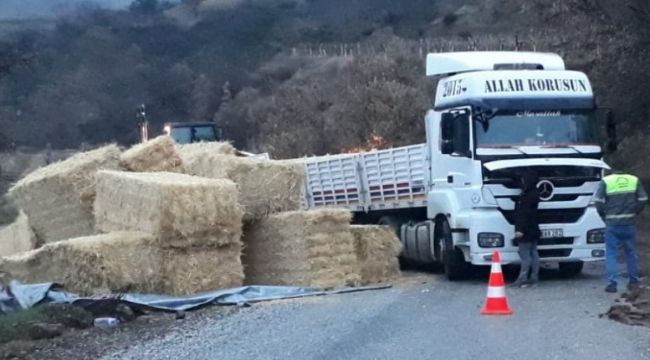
[481, 274]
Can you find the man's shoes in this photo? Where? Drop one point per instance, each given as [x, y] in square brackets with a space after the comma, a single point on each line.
[632, 286]
[611, 288]
[520, 283]
[532, 281]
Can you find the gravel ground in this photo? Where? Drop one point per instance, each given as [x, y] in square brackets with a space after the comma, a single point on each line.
[423, 316]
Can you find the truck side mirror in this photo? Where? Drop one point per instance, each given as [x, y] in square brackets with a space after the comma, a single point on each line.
[462, 135]
[610, 126]
[447, 126]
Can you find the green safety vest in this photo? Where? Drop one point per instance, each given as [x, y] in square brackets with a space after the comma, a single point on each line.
[620, 183]
[620, 198]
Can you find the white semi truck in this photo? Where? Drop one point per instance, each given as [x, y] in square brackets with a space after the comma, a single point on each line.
[451, 200]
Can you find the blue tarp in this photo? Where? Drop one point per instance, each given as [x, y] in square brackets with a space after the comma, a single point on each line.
[19, 296]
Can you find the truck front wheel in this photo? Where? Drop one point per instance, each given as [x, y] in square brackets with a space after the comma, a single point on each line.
[453, 260]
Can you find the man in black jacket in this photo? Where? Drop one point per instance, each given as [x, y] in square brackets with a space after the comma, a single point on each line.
[527, 231]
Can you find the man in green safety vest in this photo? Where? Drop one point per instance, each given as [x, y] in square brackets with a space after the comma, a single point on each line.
[619, 199]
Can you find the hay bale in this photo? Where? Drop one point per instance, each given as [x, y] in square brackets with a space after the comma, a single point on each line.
[212, 148]
[58, 198]
[116, 262]
[179, 210]
[265, 186]
[306, 248]
[377, 249]
[17, 237]
[194, 270]
[158, 154]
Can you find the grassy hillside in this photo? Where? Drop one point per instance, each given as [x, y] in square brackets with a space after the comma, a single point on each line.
[294, 77]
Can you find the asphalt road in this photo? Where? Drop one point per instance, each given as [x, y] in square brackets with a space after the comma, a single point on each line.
[421, 317]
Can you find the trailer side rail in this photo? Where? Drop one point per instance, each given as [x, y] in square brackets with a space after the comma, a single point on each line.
[385, 179]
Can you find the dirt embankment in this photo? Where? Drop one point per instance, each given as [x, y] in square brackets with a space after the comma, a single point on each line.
[633, 308]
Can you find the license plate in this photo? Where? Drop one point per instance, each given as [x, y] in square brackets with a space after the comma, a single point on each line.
[552, 233]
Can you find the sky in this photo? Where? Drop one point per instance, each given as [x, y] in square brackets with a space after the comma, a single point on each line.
[25, 9]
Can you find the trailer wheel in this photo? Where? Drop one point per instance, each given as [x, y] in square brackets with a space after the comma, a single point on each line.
[571, 269]
[452, 258]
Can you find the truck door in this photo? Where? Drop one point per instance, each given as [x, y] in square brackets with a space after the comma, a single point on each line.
[451, 149]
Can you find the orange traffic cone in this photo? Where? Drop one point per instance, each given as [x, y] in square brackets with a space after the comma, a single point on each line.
[496, 302]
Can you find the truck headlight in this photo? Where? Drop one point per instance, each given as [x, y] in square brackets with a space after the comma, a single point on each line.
[490, 240]
[596, 236]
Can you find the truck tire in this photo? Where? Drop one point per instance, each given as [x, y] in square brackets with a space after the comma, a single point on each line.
[453, 260]
[571, 269]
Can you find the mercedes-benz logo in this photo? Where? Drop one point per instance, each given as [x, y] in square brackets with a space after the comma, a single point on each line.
[545, 189]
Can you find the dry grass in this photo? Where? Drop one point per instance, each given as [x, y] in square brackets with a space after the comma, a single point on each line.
[158, 154]
[377, 249]
[58, 198]
[265, 186]
[307, 248]
[180, 210]
[17, 237]
[116, 262]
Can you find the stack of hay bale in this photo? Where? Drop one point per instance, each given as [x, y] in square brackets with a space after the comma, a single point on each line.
[163, 218]
[265, 186]
[196, 221]
[164, 232]
[283, 245]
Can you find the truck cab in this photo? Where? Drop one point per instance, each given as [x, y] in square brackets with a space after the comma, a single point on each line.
[191, 132]
[495, 114]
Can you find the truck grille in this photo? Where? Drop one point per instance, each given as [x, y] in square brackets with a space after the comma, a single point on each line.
[550, 216]
[557, 182]
[555, 198]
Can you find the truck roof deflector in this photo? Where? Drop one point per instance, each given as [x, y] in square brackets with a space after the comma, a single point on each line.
[460, 62]
[506, 164]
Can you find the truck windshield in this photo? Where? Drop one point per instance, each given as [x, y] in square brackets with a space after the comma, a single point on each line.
[538, 128]
[192, 134]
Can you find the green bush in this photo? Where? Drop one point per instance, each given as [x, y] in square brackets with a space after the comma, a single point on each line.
[24, 325]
